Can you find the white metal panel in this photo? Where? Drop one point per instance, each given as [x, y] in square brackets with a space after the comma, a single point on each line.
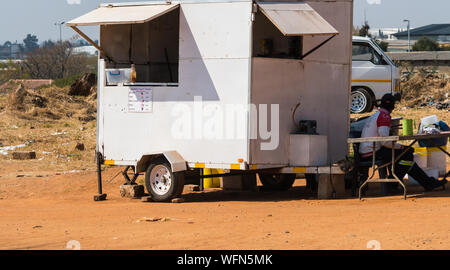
[101, 81]
[123, 15]
[213, 49]
[215, 30]
[282, 82]
[337, 50]
[296, 19]
[128, 136]
[326, 100]
[322, 89]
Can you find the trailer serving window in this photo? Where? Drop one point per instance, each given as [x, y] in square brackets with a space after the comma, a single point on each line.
[140, 44]
[279, 29]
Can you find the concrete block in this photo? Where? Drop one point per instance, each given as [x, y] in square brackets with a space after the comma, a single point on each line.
[245, 182]
[24, 155]
[146, 199]
[326, 185]
[132, 191]
[178, 200]
[193, 187]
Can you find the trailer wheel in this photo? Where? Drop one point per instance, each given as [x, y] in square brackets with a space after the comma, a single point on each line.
[361, 101]
[162, 184]
[279, 182]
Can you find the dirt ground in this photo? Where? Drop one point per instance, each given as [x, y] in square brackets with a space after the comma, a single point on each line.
[48, 212]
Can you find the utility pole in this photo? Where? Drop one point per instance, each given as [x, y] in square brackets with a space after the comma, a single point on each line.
[60, 30]
[409, 34]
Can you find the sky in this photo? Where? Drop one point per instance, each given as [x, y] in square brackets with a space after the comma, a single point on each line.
[39, 17]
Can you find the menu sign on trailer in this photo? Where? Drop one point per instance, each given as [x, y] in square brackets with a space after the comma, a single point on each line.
[140, 100]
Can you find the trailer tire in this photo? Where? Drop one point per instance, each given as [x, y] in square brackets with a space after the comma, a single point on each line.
[277, 182]
[162, 184]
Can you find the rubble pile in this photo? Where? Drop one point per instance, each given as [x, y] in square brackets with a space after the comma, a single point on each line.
[426, 90]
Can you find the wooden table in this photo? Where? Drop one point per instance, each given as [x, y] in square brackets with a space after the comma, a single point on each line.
[393, 140]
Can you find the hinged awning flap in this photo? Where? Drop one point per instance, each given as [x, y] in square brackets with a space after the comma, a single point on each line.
[123, 14]
[296, 19]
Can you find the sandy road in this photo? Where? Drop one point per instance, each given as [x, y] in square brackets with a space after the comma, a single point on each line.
[47, 213]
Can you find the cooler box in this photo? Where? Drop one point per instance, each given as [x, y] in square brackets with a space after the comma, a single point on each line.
[119, 75]
[308, 150]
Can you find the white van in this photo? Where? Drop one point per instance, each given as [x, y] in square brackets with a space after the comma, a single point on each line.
[373, 75]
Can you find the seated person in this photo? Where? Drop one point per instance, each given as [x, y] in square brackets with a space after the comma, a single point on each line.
[378, 125]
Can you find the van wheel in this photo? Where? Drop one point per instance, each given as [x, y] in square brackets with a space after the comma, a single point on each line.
[278, 182]
[161, 183]
[361, 101]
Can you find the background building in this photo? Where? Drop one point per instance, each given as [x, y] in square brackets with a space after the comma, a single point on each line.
[437, 32]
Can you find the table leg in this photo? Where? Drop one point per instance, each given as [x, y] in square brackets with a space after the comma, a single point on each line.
[373, 171]
[393, 170]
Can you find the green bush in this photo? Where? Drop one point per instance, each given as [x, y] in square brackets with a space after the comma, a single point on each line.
[425, 44]
[383, 45]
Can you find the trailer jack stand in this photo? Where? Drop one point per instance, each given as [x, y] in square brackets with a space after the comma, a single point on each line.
[100, 196]
[129, 181]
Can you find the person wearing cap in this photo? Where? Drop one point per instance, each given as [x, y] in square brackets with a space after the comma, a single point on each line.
[379, 125]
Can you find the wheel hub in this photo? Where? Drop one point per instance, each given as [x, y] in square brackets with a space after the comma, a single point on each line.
[160, 180]
[359, 102]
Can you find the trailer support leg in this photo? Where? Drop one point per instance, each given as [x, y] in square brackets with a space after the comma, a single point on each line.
[100, 196]
[127, 179]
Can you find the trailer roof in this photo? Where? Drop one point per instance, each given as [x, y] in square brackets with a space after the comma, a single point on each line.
[105, 15]
[296, 19]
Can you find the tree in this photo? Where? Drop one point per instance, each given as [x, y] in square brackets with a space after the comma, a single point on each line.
[364, 30]
[425, 44]
[383, 45]
[55, 62]
[355, 31]
[7, 44]
[31, 43]
[48, 44]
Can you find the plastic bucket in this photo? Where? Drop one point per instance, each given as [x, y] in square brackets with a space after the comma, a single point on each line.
[407, 126]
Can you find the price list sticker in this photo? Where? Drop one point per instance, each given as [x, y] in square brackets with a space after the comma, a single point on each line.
[140, 100]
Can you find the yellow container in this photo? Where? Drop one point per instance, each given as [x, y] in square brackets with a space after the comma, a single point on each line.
[426, 150]
[211, 182]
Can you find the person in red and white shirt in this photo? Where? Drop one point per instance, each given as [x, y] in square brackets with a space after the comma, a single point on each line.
[379, 125]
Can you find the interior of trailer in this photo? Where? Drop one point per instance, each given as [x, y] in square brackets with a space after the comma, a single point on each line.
[152, 47]
[269, 42]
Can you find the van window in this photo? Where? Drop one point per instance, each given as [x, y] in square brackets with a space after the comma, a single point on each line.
[365, 52]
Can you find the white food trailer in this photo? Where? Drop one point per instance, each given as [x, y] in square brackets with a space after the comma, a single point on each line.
[222, 84]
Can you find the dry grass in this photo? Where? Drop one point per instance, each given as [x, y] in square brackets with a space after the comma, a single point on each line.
[51, 129]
